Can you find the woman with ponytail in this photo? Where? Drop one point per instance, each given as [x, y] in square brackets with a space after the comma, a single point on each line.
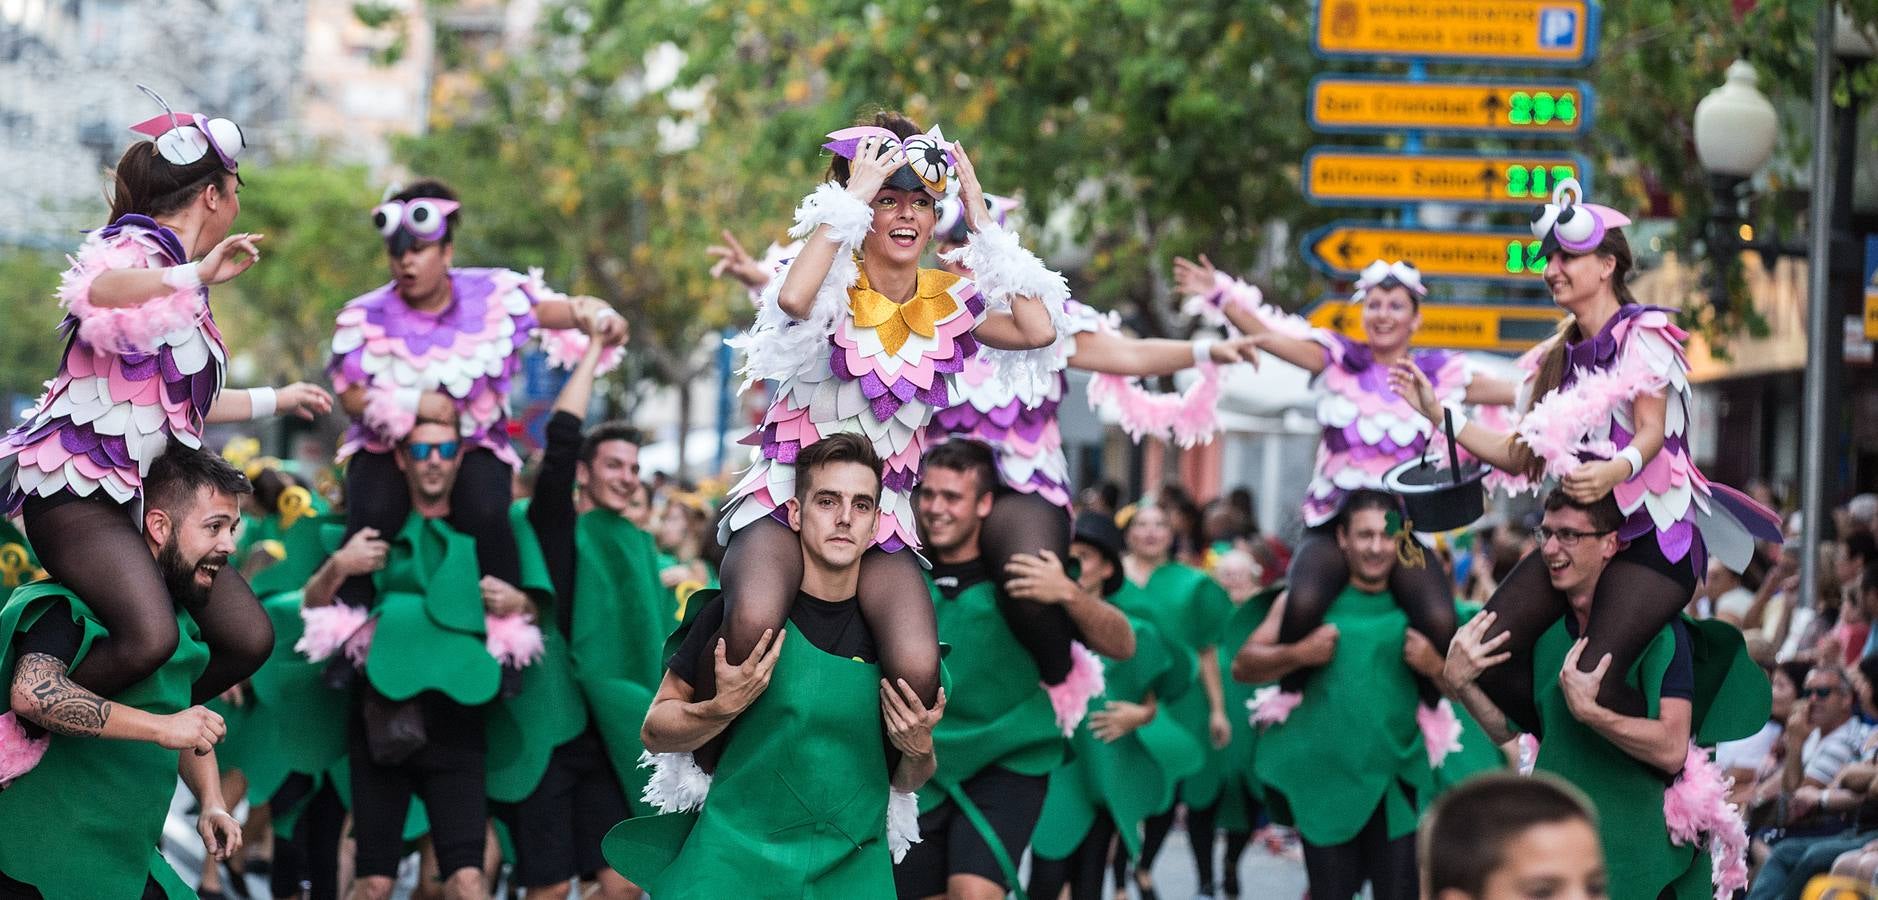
[1605, 412]
[143, 366]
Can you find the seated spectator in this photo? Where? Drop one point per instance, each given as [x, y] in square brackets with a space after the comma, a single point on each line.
[1818, 812]
[1844, 816]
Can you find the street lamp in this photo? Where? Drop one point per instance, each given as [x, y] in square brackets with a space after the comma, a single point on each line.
[1735, 127]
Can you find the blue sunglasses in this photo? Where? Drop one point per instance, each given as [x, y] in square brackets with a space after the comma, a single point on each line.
[445, 450]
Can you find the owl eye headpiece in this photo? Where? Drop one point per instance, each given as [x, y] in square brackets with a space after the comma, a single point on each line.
[405, 223]
[185, 138]
[1570, 224]
[952, 227]
[1400, 273]
[929, 157]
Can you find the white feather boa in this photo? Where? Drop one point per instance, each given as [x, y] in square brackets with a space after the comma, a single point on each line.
[779, 346]
[1003, 271]
[677, 783]
[902, 822]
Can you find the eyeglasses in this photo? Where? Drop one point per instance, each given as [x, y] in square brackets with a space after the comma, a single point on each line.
[1818, 693]
[1567, 537]
[445, 450]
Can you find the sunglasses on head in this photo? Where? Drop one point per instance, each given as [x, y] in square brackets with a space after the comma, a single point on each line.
[420, 451]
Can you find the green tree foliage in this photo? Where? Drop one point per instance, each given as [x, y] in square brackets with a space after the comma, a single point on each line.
[31, 350]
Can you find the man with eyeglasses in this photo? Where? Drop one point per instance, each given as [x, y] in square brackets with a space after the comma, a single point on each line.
[1622, 762]
[430, 675]
[1823, 786]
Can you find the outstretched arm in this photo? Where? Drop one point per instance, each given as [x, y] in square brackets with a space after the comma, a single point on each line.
[1495, 448]
[1115, 354]
[1201, 280]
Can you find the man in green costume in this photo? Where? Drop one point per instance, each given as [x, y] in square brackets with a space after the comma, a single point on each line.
[799, 804]
[566, 741]
[1348, 766]
[85, 822]
[418, 725]
[1002, 734]
[1624, 763]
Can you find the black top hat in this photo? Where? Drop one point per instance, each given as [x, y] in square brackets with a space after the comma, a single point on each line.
[1099, 531]
[1436, 498]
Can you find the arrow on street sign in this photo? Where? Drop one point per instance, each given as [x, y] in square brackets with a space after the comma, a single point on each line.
[1360, 104]
[1342, 249]
[1499, 328]
[1529, 32]
[1361, 177]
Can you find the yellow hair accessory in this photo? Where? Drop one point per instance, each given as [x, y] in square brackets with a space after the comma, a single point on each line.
[272, 548]
[1125, 515]
[260, 464]
[683, 591]
[15, 565]
[295, 503]
[240, 451]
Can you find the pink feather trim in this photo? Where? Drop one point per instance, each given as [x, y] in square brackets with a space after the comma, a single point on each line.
[1696, 808]
[1190, 418]
[1071, 696]
[125, 329]
[1441, 730]
[1272, 705]
[18, 753]
[566, 346]
[332, 628]
[513, 640]
[390, 412]
[1561, 425]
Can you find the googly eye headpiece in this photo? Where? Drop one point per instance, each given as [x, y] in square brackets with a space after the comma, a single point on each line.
[185, 138]
[1570, 224]
[1382, 273]
[405, 223]
[929, 157]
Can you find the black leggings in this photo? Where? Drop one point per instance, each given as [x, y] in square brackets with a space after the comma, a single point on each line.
[1082, 871]
[1026, 523]
[761, 575]
[1339, 872]
[377, 497]
[1199, 836]
[1638, 594]
[1319, 573]
[307, 863]
[93, 546]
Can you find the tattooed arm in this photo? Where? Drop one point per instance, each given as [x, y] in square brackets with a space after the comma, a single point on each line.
[43, 693]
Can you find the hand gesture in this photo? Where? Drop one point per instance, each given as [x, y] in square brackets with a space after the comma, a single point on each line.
[363, 553]
[1471, 652]
[1236, 350]
[1591, 481]
[1805, 802]
[739, 686]
[1581, 688]
[1118, 719]
[737, 262]
[221, 834]
[1219, 729]
[1420, 655]
[229, 258]
[196, 728]
[870, 168]
[971, 194]
[1317, 648]
[1195, 279]
[909, 722]
[1407, 380]
[501, 598]
[1039, 578]
[308, 401]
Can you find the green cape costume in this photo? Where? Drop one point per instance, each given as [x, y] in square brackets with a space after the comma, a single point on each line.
[1189, 608]
[617, 637]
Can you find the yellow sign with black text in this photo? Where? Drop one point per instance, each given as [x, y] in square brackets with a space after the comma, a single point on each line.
[1357, 177]
[1343, 249]
[1539, 108]
[1546, 32]
[1505, 329]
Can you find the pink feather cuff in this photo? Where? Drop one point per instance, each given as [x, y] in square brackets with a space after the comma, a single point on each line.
[513, 640]
[390, 412]
[331, 629]
[566, 346]
[1189, 418]
[18, 752]
[1070, 697]
[1696, 809]
[1441, 730]
[125, 329]
[1272, 705]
